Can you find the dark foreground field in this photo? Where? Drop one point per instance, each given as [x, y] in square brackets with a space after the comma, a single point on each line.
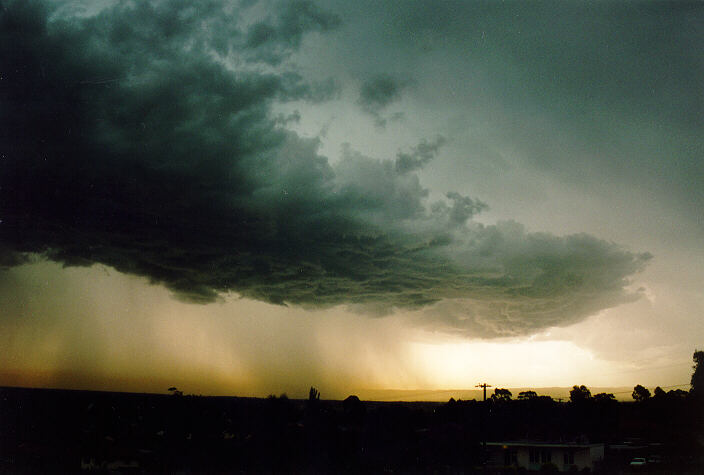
[56, 430]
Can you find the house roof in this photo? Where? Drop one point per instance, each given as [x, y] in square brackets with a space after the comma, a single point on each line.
[538, 444]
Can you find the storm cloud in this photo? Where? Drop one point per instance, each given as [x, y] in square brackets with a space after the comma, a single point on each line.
[143, 138]
[275, 39]
[379, 92]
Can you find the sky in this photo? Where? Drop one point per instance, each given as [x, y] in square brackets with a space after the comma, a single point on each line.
[251, 198]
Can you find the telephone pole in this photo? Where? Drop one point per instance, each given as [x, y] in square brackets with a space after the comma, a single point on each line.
[484, 386]
[482, 422]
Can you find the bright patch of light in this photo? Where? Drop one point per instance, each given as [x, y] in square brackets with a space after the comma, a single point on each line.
[529, 364]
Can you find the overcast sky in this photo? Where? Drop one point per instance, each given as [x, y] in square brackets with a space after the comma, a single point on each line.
[255, 197]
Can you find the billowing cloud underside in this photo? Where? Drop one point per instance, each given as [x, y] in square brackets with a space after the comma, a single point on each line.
[142, 138]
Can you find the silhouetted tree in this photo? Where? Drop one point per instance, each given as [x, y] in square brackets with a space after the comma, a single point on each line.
[527, 395]
[501, 395]
[313, 394]
[282, 396]
[697, 389]
[640, 393]
[659, 393]
[175, 392]
[580, 393]
[604, 398]
[604, 416]
[675, 394]
[354, 408]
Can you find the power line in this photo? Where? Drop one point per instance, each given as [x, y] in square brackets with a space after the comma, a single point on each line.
[675, 385]
[661, 387]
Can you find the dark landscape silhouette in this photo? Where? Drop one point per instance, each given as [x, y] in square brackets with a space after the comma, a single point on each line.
[60, 430]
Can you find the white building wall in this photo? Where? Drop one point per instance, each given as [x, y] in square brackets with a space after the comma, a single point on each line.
[597, 453]
[582, 458]
[523, 457]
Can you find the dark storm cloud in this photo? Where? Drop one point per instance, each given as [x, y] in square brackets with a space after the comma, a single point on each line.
[128, 139]
[463, 208]
[276, 38]
[378, 92]
[417, 158]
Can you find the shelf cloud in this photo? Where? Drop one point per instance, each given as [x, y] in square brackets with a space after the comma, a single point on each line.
[144, 138]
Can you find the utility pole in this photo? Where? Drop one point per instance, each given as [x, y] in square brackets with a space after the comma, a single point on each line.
[484, 386]
[482, 422]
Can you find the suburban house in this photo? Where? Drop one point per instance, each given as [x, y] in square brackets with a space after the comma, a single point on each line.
[533, 455]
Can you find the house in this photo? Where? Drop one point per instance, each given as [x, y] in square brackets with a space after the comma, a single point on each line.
[533, 455]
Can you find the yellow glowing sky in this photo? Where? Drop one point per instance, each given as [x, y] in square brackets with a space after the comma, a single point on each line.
[95, 328]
